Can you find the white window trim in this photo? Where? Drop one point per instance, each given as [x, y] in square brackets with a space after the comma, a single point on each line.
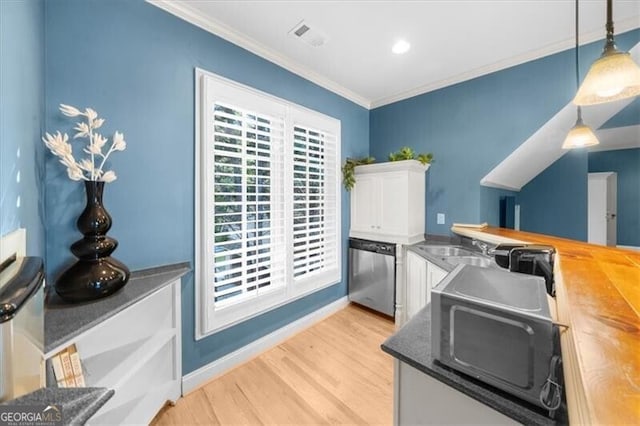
[283, 295]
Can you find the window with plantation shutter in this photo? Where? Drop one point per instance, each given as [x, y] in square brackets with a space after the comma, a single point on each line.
[268, 205]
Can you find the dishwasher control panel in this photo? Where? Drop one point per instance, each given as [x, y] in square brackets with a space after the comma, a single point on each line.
[373, 246]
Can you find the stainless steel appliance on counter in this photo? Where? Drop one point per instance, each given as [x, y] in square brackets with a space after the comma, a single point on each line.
[530, 259]
[21, 326]
[496, 326]
[372, 272]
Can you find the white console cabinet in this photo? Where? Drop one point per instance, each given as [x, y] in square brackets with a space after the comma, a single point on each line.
[388, 202]
[138, 354]
[135, 351]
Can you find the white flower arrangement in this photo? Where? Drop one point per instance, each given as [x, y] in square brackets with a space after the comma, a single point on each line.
[85, 169]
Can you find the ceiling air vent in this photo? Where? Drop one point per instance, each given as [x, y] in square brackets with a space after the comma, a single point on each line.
[307, 33]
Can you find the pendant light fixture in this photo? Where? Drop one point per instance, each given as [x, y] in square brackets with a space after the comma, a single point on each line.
[581, 135]
[613, 76]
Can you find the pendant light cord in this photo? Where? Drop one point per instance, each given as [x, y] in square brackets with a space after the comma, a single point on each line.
[609, 25]
[578, 50]
[577, 47]
[609, 45]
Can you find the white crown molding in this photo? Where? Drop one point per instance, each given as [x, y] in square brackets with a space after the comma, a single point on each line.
[621, 27]
[185, 12]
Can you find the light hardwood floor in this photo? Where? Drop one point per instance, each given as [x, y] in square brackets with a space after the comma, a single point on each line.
[332, 373]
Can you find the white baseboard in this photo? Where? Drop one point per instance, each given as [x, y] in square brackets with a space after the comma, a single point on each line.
[629, 248]
[196, 378]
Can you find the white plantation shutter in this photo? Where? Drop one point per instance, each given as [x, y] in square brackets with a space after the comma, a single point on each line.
[249, 256]
[314, 202]
[268, 210]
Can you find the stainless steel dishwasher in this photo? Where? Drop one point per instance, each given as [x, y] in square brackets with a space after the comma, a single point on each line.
[372, 274]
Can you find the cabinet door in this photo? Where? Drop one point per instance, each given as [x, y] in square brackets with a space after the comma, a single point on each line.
[394, 204]
[416, 293]
[434, 276]
[365, 197]
[444, 404]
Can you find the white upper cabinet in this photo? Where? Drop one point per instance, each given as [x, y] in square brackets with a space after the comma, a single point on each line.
[364, 195]
[388, 202]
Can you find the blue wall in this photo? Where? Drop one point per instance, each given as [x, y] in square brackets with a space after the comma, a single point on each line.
[490, 202]
[629, 116]
[555, 202]
[472, 126]
[626, 163]
[134, 64]
[21, 120]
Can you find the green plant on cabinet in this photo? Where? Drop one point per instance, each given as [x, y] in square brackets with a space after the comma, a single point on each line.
[405, 153]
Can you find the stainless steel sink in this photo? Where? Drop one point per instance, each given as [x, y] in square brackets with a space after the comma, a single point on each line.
[484, 262]
[456, 255]
[445, 250]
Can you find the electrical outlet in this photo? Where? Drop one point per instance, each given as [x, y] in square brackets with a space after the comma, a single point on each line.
[440, 218]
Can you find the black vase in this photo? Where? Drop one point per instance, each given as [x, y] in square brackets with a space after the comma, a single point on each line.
[96, 274]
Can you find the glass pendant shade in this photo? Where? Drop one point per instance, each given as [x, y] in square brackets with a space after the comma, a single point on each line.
[612, 77]
[580, 136]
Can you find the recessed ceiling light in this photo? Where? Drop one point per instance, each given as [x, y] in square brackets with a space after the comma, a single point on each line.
[401, 47]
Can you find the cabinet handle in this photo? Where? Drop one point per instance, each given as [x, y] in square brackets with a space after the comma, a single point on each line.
[378, 227]
[373, 226]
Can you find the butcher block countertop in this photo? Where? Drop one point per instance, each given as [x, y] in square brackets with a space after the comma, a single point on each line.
[598, 297]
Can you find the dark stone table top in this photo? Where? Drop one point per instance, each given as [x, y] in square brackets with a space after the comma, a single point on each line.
[64, 321]
[76, 405]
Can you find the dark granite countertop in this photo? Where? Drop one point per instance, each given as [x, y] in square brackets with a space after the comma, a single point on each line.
[412, 345]
[64, 321]
[77, 405]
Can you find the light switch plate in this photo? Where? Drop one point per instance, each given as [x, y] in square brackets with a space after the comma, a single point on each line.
[440, 218]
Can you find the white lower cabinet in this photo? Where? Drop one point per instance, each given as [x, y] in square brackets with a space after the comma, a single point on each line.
[417, 294]
[421, 276]
[434, 276]
[420, 399]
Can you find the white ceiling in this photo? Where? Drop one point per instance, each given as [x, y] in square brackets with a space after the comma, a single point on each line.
[451, 41]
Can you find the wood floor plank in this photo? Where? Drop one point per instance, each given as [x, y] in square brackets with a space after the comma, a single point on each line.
[332, 409]
[229, 402]
[332, 373]
[353, 383]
